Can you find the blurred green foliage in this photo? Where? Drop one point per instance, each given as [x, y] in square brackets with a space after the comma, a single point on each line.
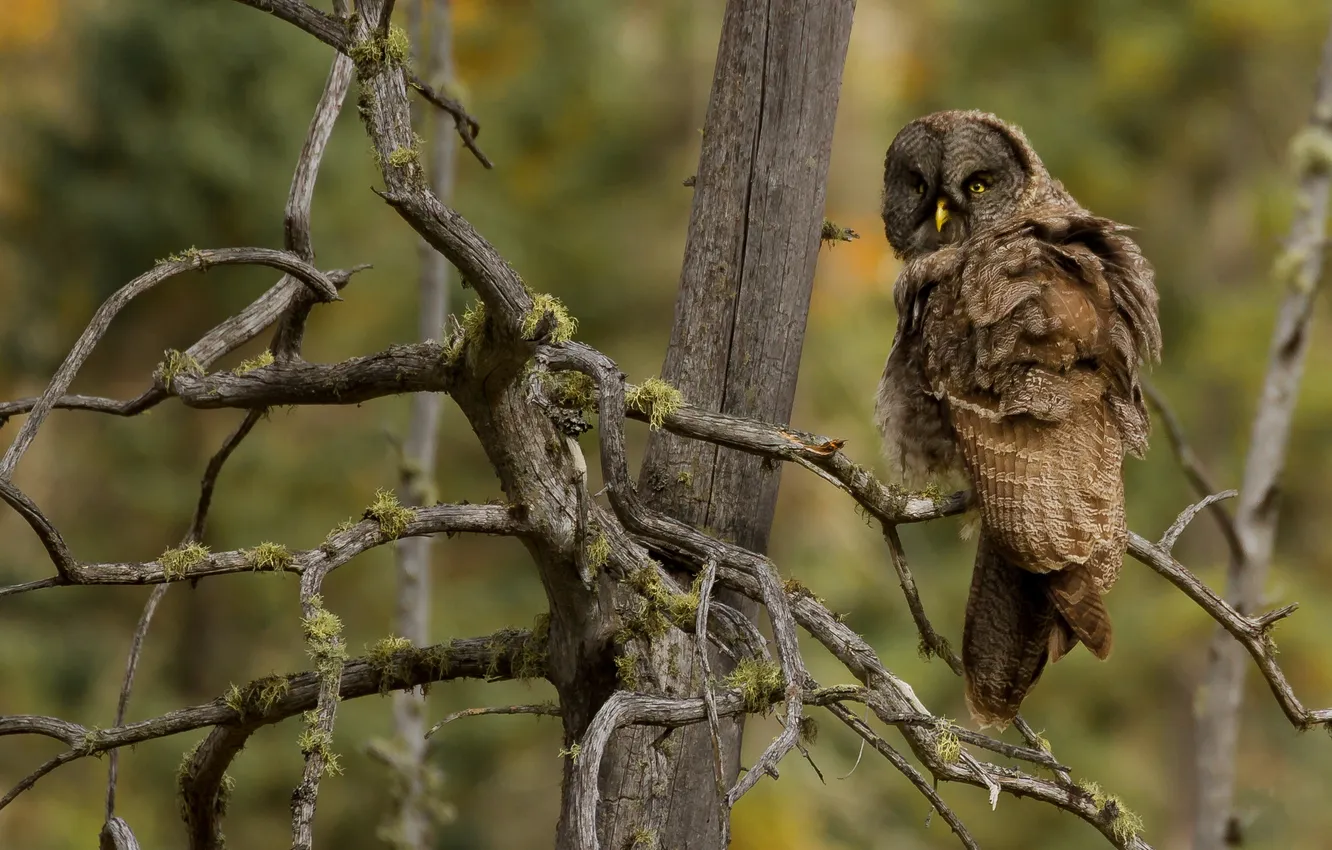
[146, 126]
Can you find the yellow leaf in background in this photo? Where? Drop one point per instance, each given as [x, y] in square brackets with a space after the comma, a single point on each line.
[27, 23]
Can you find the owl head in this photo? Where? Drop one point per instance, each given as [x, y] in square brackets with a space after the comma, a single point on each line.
[951, 174]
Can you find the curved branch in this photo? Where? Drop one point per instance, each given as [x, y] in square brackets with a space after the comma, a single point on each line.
[46, 532]
[193, 259]
[224, 338]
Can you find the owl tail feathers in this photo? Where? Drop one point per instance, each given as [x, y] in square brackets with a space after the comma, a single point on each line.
[1082, 615]
[1006, 640]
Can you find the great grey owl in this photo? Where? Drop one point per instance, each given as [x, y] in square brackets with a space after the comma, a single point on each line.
[1022, 321]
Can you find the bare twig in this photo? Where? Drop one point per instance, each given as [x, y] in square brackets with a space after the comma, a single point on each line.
[127, 685]
[1249, 632]
[547, 709]
[1186, 516]
[1192, 466]
[931, 642]
[296, 221]
[709, 701]
[897, 760]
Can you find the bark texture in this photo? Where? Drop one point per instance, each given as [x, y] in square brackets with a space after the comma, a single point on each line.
[735, 348]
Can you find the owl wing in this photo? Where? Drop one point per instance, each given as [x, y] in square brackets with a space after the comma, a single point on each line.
[1034, 427]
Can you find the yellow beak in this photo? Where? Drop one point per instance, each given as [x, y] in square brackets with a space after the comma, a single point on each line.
[941, 214]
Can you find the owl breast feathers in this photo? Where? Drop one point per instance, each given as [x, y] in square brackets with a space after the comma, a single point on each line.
[1015, 364]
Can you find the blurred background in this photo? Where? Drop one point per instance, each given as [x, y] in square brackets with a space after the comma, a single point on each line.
[133, 129]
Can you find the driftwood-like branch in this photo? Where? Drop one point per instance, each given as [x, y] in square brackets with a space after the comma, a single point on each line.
[341, 546]
[504, 655]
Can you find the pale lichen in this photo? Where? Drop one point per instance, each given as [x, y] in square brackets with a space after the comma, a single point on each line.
[259, 361]
[392, 517]
[1124, 822]
[177, 363]
[759, 681]
[268, 556]
[563, 325]
[177, 562]
[656, 398]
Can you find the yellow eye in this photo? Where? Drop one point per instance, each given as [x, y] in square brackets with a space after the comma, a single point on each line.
[977, 186]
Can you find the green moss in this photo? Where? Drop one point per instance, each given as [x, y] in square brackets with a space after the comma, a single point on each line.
[397, 46]
[832, 233]
[315, 741]
[626, 670]
[234, 699]
[946, 744]
[759, 681]
[390, 658]
[403, 157]
[176, 363]
[258, 697]
[177, 562]
[598, 552]
[259, 361]
[533, 656]
[571, 753]
[643, 839]
[189, 255]
[439, 659]
[469, 330]
[809, 730]
[796, 589]
[565, 325]
[1311, 151]
[323, 638]
[686, 478]
[366, 55]
[571, 389]
[392, 517]
[656, 398]
[268, 556]
[1124, 822]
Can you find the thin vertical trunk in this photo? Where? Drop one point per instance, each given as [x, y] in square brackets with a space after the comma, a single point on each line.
[735, 347]
[1221, 696]
[410, 823]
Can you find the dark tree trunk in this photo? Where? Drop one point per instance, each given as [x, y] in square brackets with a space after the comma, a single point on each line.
[745, 285]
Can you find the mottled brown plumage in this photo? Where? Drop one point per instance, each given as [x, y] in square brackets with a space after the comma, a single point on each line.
[1022, 320]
